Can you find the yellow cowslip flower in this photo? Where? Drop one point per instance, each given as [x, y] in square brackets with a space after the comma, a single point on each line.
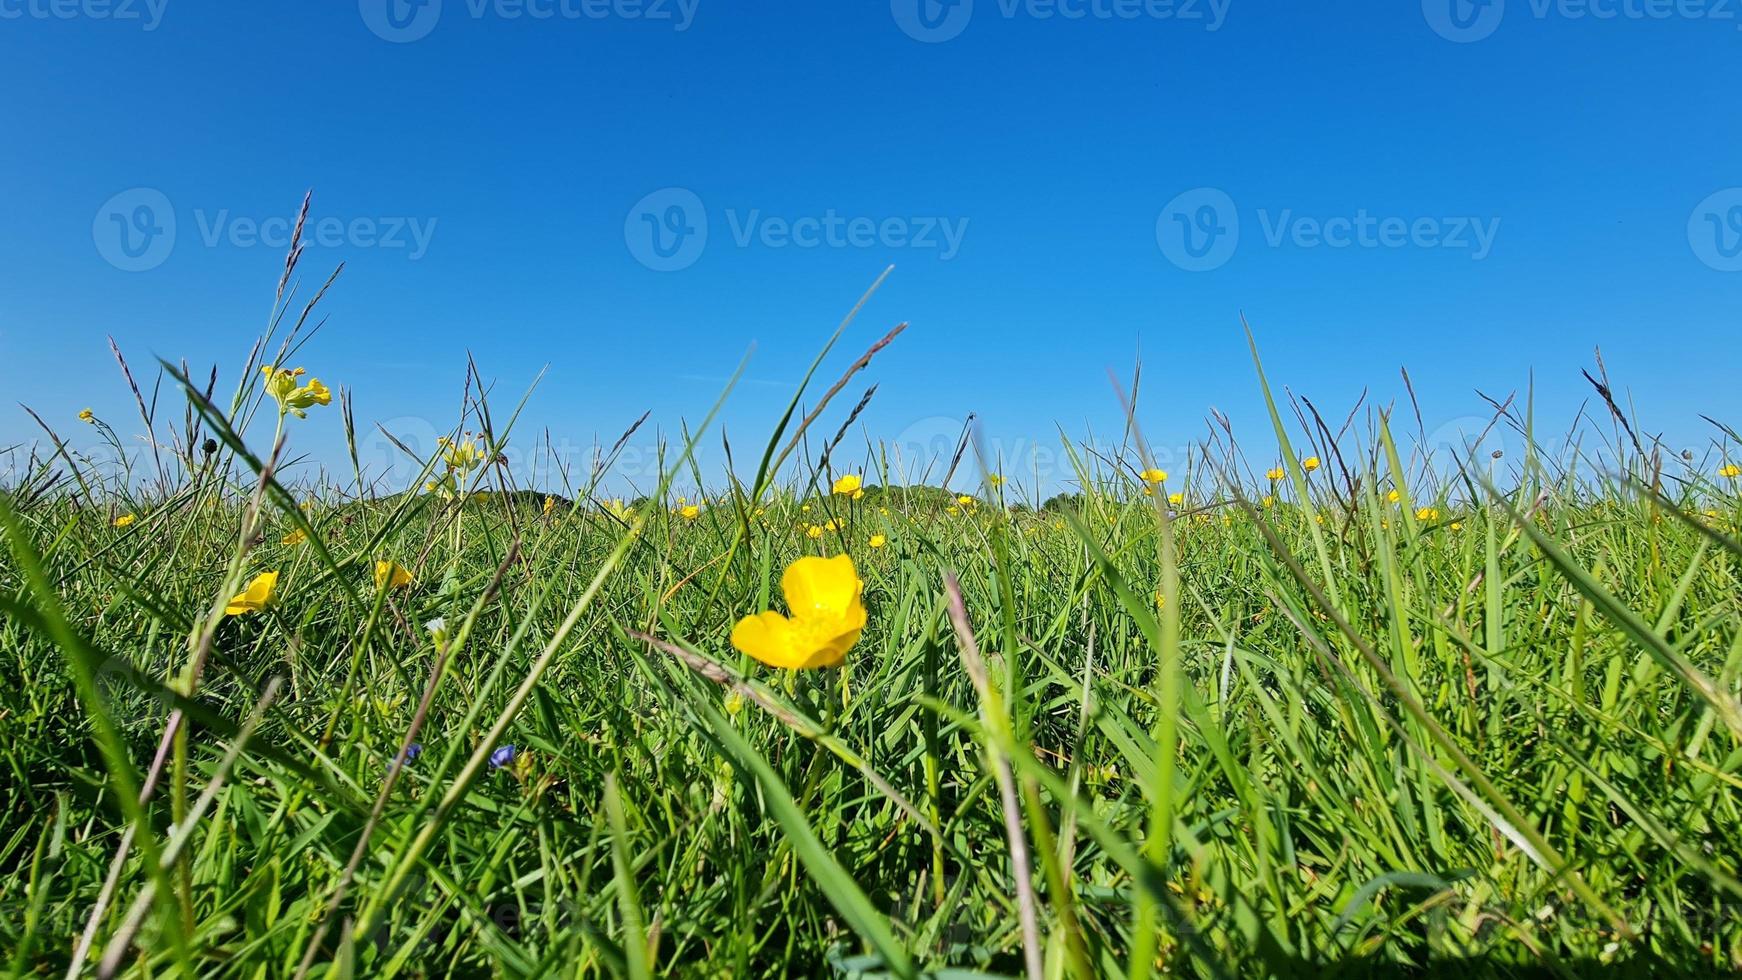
[848, 483]
[460, 456]
[87, 415]
[1427, 514]
[1393, 497]
[1275, 473]
[690, 512]
[391, 575]
[1730, 471]
[1310, 463]
[1153, 476]
[294, 399]
[825, 596]
[1176, 499]
[126, 519]
[549, 504]
[878, 540]
[814, 531]
[295, 537]
[256, 597]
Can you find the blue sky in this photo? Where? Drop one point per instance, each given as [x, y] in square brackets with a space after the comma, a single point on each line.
[1512, 185]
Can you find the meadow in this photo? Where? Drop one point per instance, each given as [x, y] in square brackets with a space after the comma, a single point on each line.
[1360, 706]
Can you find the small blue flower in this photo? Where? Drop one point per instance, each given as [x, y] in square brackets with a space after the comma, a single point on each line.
[503, 756]
[412, 751]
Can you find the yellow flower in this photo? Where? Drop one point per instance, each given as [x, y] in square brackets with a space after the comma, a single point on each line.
[1275, 473]
[847, 484]
[294, 399]
[1427, 514]
[1310, 463]
[828, 613]
[734, 703]
[878, 540]
[1153, 476]
[834, 524]
[460, 456]
[1268, 501]
[995, 479]
[294, 537]
[254, 598]
[690, 512]
[951, 509]
[1457, 525]
[1730, 471]
[126, 519]
[814, 531]
[804, 508]
[966, 501]
[549, 505]
[88, 416]
[391, 575]
[1393, 497]
[1176, 499]
[884, 511]
[859, 494]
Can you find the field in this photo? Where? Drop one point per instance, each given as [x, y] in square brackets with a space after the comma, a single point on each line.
[1353, 705]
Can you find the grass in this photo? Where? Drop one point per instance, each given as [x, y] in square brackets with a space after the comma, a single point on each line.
[1284, 726]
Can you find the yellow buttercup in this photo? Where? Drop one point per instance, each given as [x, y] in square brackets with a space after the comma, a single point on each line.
[825, 597]
[256, 597]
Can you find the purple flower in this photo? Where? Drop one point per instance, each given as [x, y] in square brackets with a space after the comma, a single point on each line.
[503, 756]
[412, 751]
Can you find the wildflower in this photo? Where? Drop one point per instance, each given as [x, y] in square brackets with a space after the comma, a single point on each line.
[884, 511]
[859, 494]
[1153, 476]
[828, 613]
[1275, 473]
[292, 398]
[1393, 497]
[878, 540]
[391, 575]
[951, 510]
[503, 756]
[814, 531]
[126, 519]
[847, 484]
[966, 501]
[438, 629]
[734, 703]
[1268, 501]
[1176, 499]
[804, 508]
[995, 479]
[834, 524]
[461, 456]
[1457, 525]
[690, 512]
[549, 505]
[254, 598]
[412, 751]
[1730, 471]
[295, 537]
[1310, 463]
[1427, 514]
[88, 417]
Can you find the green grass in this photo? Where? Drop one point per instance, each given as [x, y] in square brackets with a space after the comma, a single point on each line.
[1502, 739]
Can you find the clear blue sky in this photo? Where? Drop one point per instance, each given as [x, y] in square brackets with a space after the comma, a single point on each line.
[525, 147]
